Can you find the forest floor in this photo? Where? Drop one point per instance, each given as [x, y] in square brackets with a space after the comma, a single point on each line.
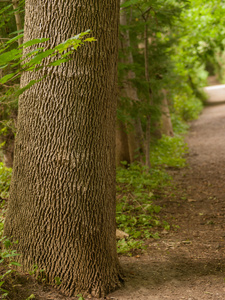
[187, 263]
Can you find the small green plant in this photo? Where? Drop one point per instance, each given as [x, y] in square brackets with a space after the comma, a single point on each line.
[80, 297]
[169, 152]
[136, 214]
[7, 258]
[58, 280]
[31, 297]
[5, 180]
[187, 106]
[33, 272]
[128, 246]
[40, 274]
[138, 189]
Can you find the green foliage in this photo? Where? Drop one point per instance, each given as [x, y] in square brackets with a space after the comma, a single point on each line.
[135, 213]
[128, 246]
[5, 179]
[176, 62]
[7, 256]
[136, 176]
[57, 280]
[137, 189]
[40, 274]
[35, 269]
[169, 152]
[187, 107]
[34, 60]
[32, 296]
[14, 62]
[179, 126]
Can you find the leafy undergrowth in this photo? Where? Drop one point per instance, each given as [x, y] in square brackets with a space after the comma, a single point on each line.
[137, 211]
[7, 255]
[10, 280]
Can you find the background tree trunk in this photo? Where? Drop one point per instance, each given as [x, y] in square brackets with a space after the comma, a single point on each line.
[8, 150]
[128, 91]
[62, 200]
[19, 25]
[122, 146]
[166, 124]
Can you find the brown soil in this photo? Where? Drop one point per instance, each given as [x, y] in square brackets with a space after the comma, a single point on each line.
[187, 263]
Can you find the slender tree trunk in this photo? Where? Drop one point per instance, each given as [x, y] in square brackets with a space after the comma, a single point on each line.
[129, 91]
[148, 119]
[122, 146]
[166, 124]
[62, 199]
[8, 149]
[19, 25]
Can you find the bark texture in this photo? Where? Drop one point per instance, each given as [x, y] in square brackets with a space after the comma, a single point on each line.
[62, 200]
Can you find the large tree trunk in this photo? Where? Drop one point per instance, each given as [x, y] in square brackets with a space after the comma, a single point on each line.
[62, 200]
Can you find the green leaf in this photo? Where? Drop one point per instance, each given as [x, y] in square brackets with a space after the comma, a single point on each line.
[32, 296]
[37, 59]
[9, 56]
[6, 273]
[57, 280]
[16, 32]
[157, 208]
[20, 91]
[34, 42]
[91, 39]
[14, 263]
[7, 243]
[5, 8]
[1, 283]
[58, 62]
[6, 78]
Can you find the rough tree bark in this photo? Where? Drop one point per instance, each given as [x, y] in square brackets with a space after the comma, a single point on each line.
[62, 199]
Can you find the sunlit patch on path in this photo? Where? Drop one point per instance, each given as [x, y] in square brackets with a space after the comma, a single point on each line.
[216, 94]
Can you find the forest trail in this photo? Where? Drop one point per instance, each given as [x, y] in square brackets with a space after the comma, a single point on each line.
[188, 264]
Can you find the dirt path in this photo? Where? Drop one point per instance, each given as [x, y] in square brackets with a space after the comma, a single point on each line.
[189, 263]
